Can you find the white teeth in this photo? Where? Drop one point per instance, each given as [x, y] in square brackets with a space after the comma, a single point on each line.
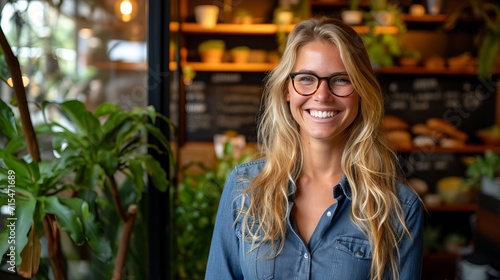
[322, 114]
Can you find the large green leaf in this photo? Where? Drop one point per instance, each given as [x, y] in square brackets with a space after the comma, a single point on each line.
[16, 144]
[20, 223]
[108, 161]
[7, 121]
[488, 52]
[106, 109]
[84, 120]
[154, 169]
[66, 217]
[137, 175]
[91, 228]
[19, 166]
[90, 176]
[73, 139]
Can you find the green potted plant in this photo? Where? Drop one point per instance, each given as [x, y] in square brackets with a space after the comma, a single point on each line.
[212, 51]
[383, 49]
[196, 202]
[240, 54]
[485, 171]
[242, 16]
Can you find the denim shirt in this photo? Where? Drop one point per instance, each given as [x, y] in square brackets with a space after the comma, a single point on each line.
[337, 248]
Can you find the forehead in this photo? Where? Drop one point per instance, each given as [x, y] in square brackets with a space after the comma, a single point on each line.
[320, 57]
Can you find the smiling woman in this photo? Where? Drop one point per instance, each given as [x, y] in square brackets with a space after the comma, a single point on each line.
[327, 185]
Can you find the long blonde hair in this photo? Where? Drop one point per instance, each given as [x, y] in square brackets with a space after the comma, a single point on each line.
[368, 162]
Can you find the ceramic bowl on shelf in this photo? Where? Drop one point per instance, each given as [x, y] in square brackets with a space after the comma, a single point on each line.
[453, 190]
[490, 136]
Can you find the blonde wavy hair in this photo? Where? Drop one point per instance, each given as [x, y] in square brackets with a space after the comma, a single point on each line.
[368, 162]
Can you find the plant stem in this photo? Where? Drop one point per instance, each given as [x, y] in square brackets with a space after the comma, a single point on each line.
[116, 199]
[15, 71]
[121, 255]
[57, 261]
[51, 229]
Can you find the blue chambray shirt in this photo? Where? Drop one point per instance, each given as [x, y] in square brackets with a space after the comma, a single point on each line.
[337, 248]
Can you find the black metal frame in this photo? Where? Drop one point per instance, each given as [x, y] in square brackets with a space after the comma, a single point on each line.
[158, 96]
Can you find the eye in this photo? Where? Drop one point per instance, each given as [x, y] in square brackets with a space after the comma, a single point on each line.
[340, 80]
[305, 79]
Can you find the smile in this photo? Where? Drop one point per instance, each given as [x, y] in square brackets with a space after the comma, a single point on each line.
[323, 114]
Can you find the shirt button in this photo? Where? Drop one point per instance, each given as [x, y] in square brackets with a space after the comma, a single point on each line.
[306, 256]
[359, 254]
[329, 213]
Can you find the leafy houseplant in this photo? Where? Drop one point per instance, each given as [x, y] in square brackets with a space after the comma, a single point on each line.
[485, 170]
[384, 49]
[82, 181]
[197, 199]
[73, 190]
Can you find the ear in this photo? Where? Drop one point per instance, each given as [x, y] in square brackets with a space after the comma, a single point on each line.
[288, 96]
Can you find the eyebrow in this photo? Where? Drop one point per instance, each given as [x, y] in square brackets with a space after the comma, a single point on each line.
[304, 71]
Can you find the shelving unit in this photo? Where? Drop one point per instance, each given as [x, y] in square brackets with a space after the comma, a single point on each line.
[267, 31]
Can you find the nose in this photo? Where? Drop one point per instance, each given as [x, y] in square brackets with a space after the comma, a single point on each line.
[323, 91]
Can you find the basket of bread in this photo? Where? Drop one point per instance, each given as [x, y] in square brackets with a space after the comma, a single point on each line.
[438, 132]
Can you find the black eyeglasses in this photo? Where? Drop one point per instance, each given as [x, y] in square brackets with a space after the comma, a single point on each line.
[307, 84]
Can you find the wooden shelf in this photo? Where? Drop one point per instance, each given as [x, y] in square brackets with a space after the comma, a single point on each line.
[231, 67]
[420, 70]
[469, 149]
[424, 18]
[228, 28]
[264, 29]
[119, 65]
[126, 66]
[463, 207]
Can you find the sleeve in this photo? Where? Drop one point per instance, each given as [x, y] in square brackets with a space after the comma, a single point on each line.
[223, 258]
[411, 247]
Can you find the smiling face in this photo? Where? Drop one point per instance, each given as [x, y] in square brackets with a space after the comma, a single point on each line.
[322, 115]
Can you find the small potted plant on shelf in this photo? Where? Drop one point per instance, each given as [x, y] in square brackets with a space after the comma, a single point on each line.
[485, 171]
[352, 16]
[410, 57]
[240, 54]
[242, 16]
[212, 51]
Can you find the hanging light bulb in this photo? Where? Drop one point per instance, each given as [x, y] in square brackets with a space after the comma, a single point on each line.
[126, 10]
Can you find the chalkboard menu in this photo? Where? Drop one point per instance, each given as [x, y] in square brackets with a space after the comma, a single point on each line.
[218, 102]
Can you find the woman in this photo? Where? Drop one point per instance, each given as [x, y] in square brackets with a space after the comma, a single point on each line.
[324, 202]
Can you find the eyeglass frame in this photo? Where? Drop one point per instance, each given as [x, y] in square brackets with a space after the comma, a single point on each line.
[292, 76]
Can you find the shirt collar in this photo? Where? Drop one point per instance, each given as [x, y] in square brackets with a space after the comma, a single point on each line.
[343, 187]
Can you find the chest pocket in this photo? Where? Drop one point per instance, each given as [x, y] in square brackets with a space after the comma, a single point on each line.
[257, 263]
[352, 259]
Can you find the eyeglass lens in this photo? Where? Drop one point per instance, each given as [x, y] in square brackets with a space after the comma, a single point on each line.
[308, 83]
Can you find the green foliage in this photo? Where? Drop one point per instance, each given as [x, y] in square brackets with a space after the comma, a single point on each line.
[212, 44]
[487, 165]
[196, 203]
[353, 5]
[75, 184]
[382, 49]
